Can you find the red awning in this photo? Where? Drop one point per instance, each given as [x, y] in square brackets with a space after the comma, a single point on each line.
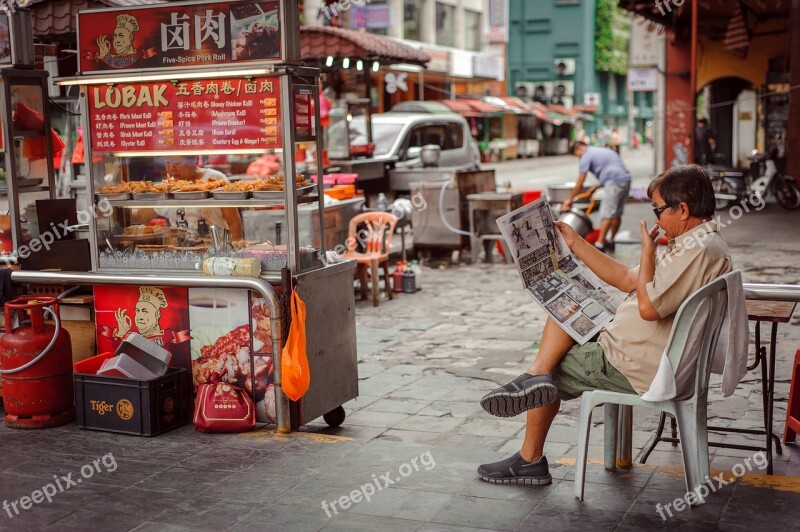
[320, 42]
[461, 107]
[540, 111]
[482, 107]
[516, 103]
[58, 17]
[560, 109]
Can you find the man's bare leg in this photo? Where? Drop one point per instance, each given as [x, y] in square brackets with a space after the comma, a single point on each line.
[605, 226]
[553, 347]
[535, 388]
[536, 427]
[529, 466]
[615, 223]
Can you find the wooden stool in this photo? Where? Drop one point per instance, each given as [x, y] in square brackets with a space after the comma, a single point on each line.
[793, 408]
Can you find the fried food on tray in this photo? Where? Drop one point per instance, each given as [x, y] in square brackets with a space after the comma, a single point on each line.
[168, 185]
[119, 188]
[137, 230]
[178, 185]
[272, 183]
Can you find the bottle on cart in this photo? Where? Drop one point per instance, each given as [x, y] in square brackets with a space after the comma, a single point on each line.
[397, 277]
[382, 204]
[415, 267]
[231, 267]
[409, 281]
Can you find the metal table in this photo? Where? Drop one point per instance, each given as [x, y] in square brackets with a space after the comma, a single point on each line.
[504, 202]
[763, 304]
[774, 312]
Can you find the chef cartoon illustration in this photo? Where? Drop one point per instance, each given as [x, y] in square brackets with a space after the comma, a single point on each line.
[147, 314]
[124, 54]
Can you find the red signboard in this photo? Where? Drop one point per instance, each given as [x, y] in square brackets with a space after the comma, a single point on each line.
[179, 35]
[219, 114]
[160, 314]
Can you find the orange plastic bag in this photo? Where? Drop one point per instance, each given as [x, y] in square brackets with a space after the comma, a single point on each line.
[295, 375]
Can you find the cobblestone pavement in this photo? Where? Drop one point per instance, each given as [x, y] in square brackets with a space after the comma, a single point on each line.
[425, 361]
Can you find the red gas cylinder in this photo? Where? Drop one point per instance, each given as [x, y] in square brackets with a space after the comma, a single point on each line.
[42, 395]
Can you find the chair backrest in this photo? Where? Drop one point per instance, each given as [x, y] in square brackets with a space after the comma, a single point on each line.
[376, 237]
[694, 335]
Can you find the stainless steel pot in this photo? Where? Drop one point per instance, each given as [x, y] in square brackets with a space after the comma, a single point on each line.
[430, 154]
[560, 193]
[578, 221]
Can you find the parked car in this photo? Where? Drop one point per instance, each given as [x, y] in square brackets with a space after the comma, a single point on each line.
[402, 136]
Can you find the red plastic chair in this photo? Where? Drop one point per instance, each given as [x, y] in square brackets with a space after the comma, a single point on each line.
[793, 409]
[376, 237]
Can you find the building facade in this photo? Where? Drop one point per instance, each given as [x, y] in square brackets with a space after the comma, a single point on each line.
[574, 53]
[453, 33]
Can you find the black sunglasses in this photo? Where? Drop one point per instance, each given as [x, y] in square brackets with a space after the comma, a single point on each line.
[658, 210]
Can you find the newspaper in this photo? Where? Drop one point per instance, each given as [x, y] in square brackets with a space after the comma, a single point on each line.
[570, 293]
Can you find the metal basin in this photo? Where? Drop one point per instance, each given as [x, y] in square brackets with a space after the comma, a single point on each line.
[560, 193]
[578, 221]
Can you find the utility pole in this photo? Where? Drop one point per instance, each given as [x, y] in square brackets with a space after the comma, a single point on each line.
[793, 131]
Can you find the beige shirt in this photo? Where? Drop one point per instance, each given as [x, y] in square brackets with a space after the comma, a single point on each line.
[633, 345]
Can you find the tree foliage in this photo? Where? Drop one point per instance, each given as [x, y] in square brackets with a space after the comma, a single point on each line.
[612, 35]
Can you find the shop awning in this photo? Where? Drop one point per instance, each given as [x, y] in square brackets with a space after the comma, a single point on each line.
[713, 16]
[461, 107]
[58, 17]
[320, 42]
[417, 106]
[482, 107]
[540, 112]
[516, 103]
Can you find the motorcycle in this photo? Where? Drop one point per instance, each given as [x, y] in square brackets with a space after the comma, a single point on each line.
[732, 187]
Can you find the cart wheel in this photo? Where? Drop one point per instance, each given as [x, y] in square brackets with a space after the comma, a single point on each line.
[424, 255]
[455, 257]
[335, 417]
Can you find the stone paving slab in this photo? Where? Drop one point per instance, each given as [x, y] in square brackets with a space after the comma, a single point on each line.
[424, 362]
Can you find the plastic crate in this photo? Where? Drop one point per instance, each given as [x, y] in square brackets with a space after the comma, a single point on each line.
[129, 406]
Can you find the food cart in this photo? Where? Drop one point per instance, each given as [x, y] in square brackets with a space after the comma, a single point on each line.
[27, 145]
[161, 86]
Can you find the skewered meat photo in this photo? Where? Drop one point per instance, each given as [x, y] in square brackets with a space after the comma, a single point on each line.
[229, 357]
[258, 37]
[220, 321]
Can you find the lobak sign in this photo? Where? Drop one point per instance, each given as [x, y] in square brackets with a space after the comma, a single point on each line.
[179, 35]
[219, 114]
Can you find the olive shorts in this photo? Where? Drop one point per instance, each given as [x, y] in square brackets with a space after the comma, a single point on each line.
[585, 368]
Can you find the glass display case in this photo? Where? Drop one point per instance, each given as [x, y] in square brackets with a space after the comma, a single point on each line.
[26, 169]
[350, 133]
[162, 199]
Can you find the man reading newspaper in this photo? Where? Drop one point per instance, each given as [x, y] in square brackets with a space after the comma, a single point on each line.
[625, 355]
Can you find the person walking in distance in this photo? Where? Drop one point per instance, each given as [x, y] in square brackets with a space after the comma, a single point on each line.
[614, 177]
[616, 140]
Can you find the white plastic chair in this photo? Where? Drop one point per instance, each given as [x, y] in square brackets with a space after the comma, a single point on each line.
[702, 311]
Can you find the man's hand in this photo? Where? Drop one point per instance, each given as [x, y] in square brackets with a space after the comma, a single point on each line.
[570, 235]
[649, 237]
[566, 206]
[104, 47]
